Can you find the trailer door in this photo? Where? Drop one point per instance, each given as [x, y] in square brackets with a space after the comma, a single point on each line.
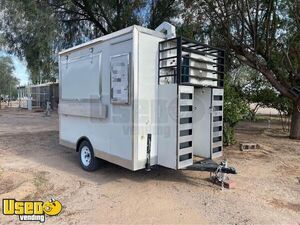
[185, 126]
[217, 122]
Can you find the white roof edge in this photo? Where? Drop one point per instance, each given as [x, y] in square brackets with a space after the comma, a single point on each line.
[149, 31]
[103, 38]
[43, 84]
[113, 35]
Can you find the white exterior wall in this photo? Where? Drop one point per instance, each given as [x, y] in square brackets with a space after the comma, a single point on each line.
[202, 122]
[167, 120]
[146, 96]
[111, 137]
[117, 132]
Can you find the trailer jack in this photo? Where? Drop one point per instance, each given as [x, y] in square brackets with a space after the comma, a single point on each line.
[218, 172]
[148, 164]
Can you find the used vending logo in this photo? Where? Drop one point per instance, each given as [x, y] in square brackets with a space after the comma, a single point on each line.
[31, 210]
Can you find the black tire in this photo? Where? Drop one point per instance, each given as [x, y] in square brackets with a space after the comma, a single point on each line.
[92, 163]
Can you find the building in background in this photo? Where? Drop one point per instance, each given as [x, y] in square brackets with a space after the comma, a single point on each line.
[37, 96]
[42, 93]
[24, 97]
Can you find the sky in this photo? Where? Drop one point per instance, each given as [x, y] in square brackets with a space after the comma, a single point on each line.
[20, 68]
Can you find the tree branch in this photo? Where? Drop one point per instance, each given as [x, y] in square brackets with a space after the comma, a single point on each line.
[251, 61]
[90, 15]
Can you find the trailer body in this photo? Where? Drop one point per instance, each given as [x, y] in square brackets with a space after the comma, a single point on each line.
[115, 91]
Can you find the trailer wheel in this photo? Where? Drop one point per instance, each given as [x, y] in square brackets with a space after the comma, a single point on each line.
[87, 159]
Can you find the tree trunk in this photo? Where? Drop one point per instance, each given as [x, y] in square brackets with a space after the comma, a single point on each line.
[295, 124]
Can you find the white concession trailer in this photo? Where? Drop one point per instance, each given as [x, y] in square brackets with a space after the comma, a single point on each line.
[139, 97]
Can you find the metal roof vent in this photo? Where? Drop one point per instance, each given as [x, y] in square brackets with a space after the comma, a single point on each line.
[167, 29]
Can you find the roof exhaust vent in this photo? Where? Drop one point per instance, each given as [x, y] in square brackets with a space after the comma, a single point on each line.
[167, 29]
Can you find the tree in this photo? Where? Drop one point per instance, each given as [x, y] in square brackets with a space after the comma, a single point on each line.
[36, 30]
[29, 31]
[160, 11]
[253, 87]
[264, 35]
[256, 89]
[88, 19]
[235, 109]
[7, 80]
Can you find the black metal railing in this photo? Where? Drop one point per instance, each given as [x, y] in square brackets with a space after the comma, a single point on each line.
[188, 62]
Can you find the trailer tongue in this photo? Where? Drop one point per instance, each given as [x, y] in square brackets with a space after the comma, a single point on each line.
[218, 172]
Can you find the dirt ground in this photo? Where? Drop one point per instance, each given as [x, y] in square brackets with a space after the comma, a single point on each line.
[33, 166]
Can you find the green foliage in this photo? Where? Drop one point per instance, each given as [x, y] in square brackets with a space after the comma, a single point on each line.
[6, 74]
[8, 82]
[160, 11]
[256, 89]
[264, 35]
[29, 31]
[228, 135]
[283, 105]
[87, 19]
[37, 30]
[81, 20]
[235, 110]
